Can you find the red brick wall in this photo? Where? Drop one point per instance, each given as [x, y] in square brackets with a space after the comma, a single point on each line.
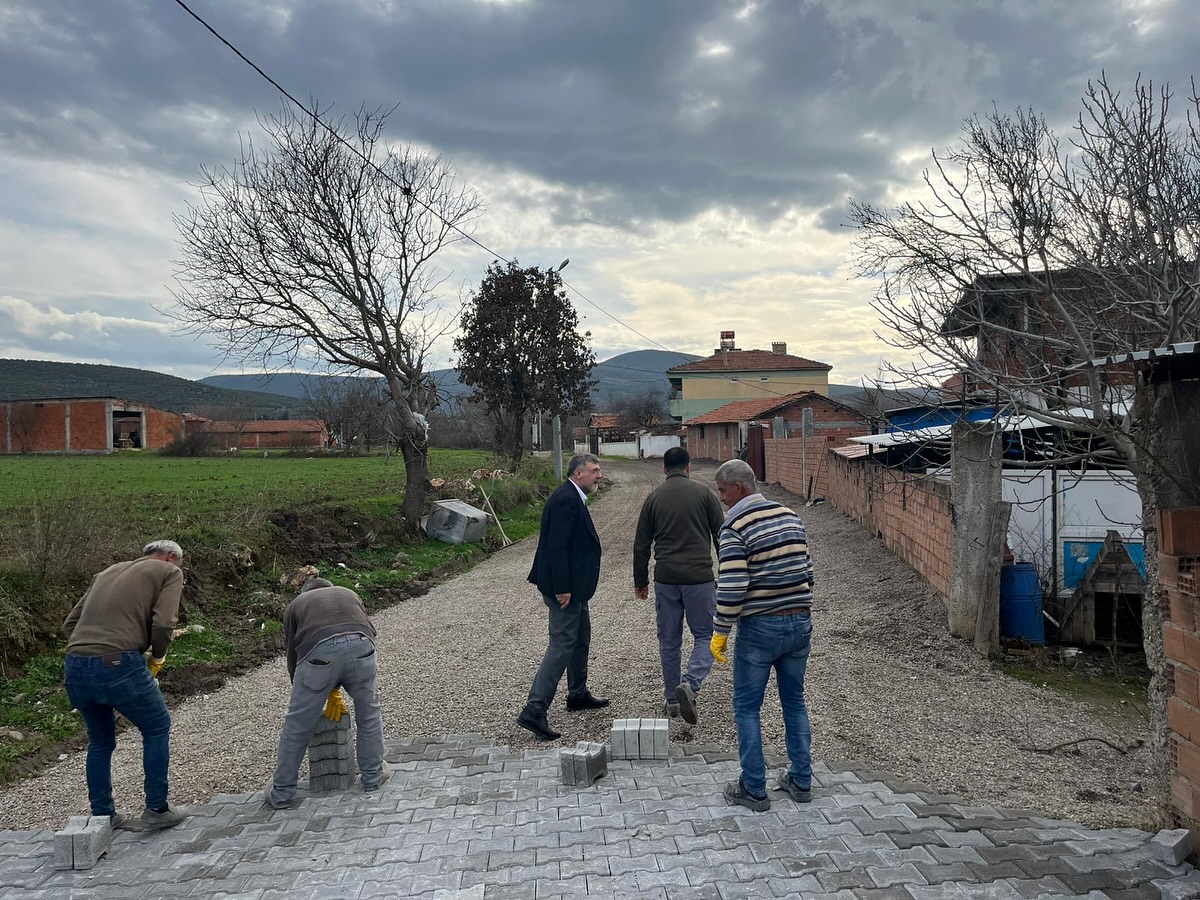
[162, 427]
[89, 426]
[1178, 569]
[40, 426]
[909, 513]
[790, 463]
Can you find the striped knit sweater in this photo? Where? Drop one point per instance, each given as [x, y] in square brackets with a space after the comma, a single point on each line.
[764, 564]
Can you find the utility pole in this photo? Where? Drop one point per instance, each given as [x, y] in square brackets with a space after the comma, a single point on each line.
[557, 440]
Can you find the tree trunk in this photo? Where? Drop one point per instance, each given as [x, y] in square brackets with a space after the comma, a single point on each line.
[416, 480]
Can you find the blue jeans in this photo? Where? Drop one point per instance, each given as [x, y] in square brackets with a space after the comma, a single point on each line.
[344, 660]
[763, 643]
[672, 604]
[123, 685]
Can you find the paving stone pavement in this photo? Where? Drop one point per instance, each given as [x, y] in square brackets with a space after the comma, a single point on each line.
[463, 818]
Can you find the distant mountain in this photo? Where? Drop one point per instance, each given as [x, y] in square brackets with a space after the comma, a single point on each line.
[33, 379]
[628, 373]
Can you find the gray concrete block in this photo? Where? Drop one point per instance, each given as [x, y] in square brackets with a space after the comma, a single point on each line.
[661, 735]
[566, 764]
[579, 760]
[1172, 846]
[617, 739]
[645, 739]
[92, 841]
[333, 750]
[64, 842]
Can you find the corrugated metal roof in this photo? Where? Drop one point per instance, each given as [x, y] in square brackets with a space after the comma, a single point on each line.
[1171, 350]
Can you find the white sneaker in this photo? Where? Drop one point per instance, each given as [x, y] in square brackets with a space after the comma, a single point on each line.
[387, 773]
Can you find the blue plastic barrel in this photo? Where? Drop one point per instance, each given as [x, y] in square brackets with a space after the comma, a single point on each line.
[1021, 604]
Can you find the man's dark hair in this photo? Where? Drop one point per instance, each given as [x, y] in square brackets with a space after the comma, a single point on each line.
[313, 583]
[676, 459]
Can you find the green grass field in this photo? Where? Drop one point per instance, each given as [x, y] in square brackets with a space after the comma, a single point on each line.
[66, 517]
[150, 493]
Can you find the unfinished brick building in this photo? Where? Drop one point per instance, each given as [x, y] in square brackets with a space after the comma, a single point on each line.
[85, 425]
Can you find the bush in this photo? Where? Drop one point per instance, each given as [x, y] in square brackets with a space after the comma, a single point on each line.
[196, 444]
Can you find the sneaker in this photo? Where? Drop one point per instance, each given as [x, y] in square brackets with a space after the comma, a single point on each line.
[797, 793]
[735, 792]
[387, 773]
[269, 798]
[671, 709]
[157, 821]
[686, 697]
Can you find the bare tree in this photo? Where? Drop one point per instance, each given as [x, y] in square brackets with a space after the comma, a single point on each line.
[1030, 255]
[323, 245]
[642, 409]
[354, 410]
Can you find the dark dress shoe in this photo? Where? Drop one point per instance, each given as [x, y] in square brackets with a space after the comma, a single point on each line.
[587, 701]
[538, 725]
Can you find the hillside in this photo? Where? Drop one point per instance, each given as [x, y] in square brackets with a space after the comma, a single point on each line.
[628, 373]
[32, 379]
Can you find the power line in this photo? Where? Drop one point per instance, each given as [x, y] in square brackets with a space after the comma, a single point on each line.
[407, 193]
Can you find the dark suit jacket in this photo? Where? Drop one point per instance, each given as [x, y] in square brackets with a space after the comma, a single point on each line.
[568, 551]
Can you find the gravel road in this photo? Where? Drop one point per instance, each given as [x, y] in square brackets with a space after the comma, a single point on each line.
[888, 687]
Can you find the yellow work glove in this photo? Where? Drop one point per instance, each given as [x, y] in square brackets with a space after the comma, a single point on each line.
[155, 664]
[335, 706]
[717, 645]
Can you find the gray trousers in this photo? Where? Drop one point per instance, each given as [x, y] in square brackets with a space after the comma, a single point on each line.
[673, 603]
[345, 660]
[570, 637]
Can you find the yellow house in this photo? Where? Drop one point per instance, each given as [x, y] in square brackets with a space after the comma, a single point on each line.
[731, 374]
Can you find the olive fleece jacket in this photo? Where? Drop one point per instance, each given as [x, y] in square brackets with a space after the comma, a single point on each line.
[129, 606]
[682, 519]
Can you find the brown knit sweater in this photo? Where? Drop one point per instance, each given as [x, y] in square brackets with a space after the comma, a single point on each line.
[129, 606]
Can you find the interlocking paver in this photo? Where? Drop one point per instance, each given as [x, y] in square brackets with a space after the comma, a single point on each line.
[460, 818]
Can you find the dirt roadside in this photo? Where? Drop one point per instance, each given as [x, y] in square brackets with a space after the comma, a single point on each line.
[888, 687]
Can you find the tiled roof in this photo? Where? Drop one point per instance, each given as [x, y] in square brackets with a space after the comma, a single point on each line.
[750, 361]
[745, 410]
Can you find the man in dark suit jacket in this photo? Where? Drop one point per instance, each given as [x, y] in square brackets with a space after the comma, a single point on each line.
[566, 569]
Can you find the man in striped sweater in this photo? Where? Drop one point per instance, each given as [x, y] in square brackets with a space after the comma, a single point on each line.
[764, 584]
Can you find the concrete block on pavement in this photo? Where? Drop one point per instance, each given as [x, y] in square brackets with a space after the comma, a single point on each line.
[92, 841]
[64, 842]
[1172, 846]
[584, 763]
[81, 844]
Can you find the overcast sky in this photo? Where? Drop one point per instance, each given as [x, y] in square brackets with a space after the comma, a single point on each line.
[692, 158]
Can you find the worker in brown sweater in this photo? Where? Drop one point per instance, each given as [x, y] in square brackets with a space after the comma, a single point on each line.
[330, 644]
[131, 607]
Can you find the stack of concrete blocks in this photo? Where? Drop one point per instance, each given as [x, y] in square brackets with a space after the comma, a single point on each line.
[82, 842]
[331, 755]
[584, 764]
[639, 739]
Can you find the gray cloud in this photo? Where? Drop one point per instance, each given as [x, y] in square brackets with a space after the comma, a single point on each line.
[618, 99]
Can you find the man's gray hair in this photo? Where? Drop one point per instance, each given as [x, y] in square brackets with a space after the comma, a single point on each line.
[737, 471]
[163, 547]
[313, 583]
[578, 461]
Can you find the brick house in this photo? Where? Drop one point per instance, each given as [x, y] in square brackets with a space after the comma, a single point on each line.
[731, 374]
[722, 433]
[85, 425]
